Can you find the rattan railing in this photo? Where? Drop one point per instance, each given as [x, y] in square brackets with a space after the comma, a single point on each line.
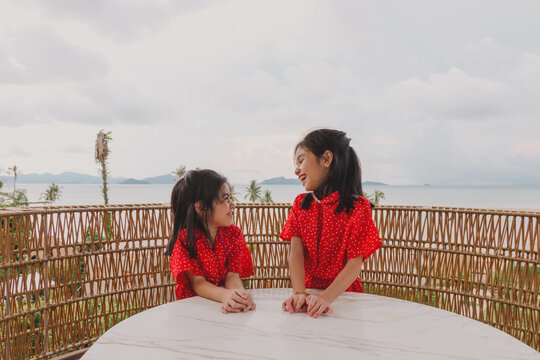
[70, 273]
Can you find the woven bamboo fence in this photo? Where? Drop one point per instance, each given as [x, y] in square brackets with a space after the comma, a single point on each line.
[70, 273]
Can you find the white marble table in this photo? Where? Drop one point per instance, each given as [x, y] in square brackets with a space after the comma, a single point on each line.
[362, 326]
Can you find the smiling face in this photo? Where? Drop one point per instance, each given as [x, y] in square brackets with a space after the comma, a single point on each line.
[223, 209]
[311, 170]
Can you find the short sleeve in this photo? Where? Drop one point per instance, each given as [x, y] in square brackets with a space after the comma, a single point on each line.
[292, 225]
[364, 238]
[240, 259]
[181, 261]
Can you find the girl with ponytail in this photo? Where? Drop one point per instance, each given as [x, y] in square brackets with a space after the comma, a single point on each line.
[330, 228]
[209, 255]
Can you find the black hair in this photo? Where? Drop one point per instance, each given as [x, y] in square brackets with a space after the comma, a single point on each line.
[344, 176]
[196, 185]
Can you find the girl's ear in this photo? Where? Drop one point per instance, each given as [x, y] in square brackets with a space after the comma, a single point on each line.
[327, 158]
[199, 208]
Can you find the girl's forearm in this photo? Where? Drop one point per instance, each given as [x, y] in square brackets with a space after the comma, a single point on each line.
[208, 290]
[344, 279]
[233, 281]
[296, 265]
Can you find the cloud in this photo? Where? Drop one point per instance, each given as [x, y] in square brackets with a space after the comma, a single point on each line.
[19, 151]
[121, 20]
[39, 54]
[101, 102]
[452, 95]
[233, 85]
[124, 103]
[74, 149]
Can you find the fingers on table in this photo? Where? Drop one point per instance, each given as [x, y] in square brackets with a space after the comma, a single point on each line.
[317, 306]
[299, 301]
[239, 299]
[319, 310]
[288, 305]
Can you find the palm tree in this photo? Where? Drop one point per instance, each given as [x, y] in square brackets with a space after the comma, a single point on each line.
[15, 172]
[367, 196]
[52, 194]
[379, 195]
[180, 171]
[233, 193]
[268, 197]
[253, 191]
[101, 156]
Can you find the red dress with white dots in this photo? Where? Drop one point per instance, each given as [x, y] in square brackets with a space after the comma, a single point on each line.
[230, 254]
[331, 239]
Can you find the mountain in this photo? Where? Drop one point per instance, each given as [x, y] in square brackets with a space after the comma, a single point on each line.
[284, 181]
[47, 178]
[281, 181]
[373, 183]
[78, 178]
[131, 181]
[162, 179]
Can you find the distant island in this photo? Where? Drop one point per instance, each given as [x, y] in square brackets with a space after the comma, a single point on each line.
[294, 181]
[78, 178]
[281, 181]
[134, 181]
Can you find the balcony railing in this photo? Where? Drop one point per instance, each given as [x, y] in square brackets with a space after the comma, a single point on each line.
[70, 273]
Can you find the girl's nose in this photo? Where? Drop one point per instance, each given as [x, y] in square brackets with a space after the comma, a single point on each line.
[297, 171]
[233, 205]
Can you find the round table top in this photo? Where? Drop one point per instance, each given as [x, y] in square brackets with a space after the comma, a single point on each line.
[362, 326]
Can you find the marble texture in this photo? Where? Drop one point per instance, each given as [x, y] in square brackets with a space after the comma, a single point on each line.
[362, 326]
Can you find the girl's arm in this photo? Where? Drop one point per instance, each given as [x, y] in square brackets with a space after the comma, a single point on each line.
[233, 281]
[317, 304]
[296, 265]
[230, 298]
[297, 273]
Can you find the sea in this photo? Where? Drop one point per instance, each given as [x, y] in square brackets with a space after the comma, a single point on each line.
[481, 197]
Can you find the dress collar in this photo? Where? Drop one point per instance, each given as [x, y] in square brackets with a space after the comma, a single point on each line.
[330, 199]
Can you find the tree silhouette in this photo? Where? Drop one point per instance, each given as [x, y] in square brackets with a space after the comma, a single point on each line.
[268, 197]
[101, 156]
[15, 172]
[253, 191]
[52, 194]
[379, 195]
[180, 171]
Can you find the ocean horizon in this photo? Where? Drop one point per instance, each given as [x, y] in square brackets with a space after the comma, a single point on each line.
[482, 197]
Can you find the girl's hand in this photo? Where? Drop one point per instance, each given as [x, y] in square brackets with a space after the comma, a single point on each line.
[316, 305]
[247, 296]
[296, 303]
[237, 300]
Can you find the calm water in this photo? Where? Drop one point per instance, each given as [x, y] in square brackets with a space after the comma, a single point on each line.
[514, 197]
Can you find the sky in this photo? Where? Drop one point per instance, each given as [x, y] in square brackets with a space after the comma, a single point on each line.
[438, 92]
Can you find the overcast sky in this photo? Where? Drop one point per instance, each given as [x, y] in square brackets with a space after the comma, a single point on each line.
[439, 92]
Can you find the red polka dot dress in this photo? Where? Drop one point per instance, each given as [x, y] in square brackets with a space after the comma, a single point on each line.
[331, 239]
[230, 254]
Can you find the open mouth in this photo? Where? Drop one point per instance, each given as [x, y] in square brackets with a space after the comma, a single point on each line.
[302, 178]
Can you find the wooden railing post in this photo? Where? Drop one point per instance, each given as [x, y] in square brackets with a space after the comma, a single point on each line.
[47, 254]
[419, 260]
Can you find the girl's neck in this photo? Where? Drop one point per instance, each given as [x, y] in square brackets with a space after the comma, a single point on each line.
[212, 232]
[323, 192]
